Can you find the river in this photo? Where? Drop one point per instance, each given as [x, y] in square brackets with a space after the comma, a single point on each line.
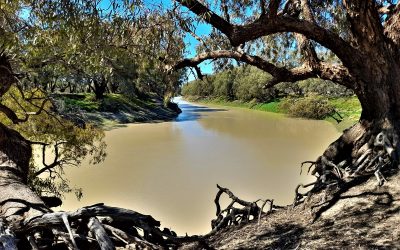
[170, 169]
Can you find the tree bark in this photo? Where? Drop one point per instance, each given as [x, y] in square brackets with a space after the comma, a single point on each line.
[17, 201]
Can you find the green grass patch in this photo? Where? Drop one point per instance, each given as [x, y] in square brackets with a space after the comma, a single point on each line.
[269, 107]
[110, 102]
[83, 101]
[348, 107]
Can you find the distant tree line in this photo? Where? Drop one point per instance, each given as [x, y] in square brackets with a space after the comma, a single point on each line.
[246, 83]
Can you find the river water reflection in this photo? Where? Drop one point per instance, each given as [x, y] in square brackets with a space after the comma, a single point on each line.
[170, 169]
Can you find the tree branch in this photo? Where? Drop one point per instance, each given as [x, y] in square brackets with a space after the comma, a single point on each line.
[392, 25]
[336, 73]
[11, 114]
[273, 7]
[305, 46]
[280, 73]
[365, 23]
[7, 77]
[263, 26]
[225, 10]
[56, 162]
[209, 16]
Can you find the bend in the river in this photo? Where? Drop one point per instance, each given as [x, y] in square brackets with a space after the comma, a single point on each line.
[170, 169]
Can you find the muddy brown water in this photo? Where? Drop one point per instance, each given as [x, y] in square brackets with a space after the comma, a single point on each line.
[170, 169]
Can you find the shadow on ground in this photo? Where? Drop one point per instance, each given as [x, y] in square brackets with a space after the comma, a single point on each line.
[363, 216]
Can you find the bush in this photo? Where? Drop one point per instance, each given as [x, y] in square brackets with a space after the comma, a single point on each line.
[311, 107]
[249, 85]
[325, 88]
[202, 88]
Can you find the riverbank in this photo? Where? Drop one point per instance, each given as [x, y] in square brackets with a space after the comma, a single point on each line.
[115, 110]
[348, 107]
[363, 217]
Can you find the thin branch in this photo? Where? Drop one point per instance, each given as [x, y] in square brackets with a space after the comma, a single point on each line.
[225, 10]
[273, 8]
[209, 16]
[262, 7]
[56, 162]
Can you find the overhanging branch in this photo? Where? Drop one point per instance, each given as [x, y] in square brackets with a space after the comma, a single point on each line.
[326, 71]
[266, 25]
[209, 16]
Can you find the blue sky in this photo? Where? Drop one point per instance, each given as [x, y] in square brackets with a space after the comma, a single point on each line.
[191, 42]
[206, 67]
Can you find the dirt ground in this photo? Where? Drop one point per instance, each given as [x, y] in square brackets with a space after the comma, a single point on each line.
[361, 216]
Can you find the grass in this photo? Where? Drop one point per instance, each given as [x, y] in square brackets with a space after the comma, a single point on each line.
[268, 107]
[110, 102]
[83, 101]
[348, 107]
[116, 109]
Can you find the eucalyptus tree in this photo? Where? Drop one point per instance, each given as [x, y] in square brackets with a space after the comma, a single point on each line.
[354, 43]
[62, 39]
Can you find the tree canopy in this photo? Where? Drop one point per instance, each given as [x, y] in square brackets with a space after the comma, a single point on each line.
[130, 47]
[296, 40]
[78, 46]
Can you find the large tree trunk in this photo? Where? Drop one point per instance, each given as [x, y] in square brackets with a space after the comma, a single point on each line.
[17, 201]
[371, 146]
[27, 223]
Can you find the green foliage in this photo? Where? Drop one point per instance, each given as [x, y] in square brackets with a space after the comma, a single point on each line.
[249, 85]
[349, 108]
[77, 46]
[325, 88]
[269, 107]
[86, 102]
[312, 107]
[202, 88]
[58, 143]
[241, 83]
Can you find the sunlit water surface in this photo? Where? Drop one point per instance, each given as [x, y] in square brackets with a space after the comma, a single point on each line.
[170, 169]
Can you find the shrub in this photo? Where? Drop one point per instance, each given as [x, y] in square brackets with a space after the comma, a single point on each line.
[312, 107]
[325, 88]
[248, 85]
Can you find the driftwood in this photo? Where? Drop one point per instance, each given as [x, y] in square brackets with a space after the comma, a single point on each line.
[233, 215]
[101, 225]
[96, 228]
[330, 176]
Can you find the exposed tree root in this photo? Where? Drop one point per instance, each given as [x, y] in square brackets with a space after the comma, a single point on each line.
[337, 171]
[233, 215]
[97, 226]
[349, 163]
